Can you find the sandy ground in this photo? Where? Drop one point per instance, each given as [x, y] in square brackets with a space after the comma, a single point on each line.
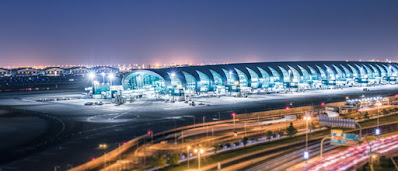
[88, 126]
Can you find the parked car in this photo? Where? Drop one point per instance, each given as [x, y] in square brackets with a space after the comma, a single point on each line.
[88, 104]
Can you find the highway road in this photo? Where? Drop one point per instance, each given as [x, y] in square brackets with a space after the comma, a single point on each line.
[289, 158]
[354, 156]
[293, 156]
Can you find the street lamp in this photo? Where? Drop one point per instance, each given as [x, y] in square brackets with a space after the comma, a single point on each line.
[103, 147]
[91, 75]
[306, 154]
[200, 151]
[377, 131]
[188, 148]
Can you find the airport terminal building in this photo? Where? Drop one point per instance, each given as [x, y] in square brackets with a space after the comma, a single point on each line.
[221, 79]
[257, 77]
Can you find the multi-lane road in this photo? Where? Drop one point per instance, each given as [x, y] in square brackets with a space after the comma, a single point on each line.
[354, 156]
[293, 156]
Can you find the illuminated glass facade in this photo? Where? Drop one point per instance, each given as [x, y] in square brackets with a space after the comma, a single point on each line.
[268, 76]
[145, 80]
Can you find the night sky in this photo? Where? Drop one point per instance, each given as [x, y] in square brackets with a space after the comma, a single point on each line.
[91, 32]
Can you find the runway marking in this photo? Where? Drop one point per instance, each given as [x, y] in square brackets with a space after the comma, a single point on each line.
[93, 118]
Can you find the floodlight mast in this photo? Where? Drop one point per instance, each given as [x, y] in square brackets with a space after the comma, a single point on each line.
[103, 77]
[91, 77]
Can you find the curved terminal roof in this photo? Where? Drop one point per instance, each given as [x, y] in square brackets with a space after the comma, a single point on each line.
[279, 72]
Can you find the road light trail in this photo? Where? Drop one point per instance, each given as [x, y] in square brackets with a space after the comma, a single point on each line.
[282, 162]
[353, 156]
[313, 153]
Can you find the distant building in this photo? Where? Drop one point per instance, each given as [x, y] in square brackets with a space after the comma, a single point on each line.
[53, 71]
[25, 72]
[104, 69]
[5, 72]
[76, 71]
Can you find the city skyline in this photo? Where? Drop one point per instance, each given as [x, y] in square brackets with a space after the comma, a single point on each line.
[157, 65]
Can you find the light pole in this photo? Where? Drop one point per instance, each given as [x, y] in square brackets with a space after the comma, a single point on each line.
[103, 77]
[111, 76]
[103, 147]
[199, 152]
[233, 116]
[370, 152]
[188, 148]
[207, 131]
[306, 154]
[151, 134]
[91, 77]
[377, 131]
